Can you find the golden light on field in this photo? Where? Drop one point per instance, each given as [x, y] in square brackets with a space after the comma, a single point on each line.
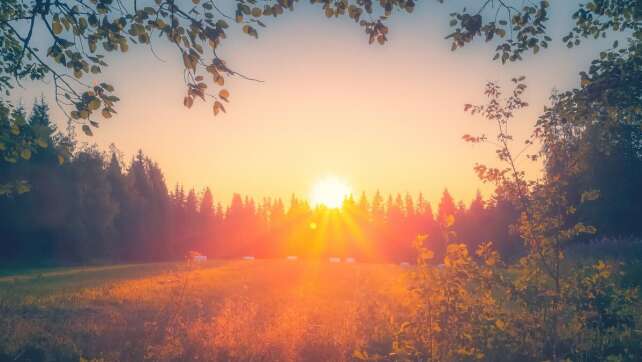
[329, 192]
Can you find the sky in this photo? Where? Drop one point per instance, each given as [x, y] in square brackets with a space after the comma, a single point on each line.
[386, 118]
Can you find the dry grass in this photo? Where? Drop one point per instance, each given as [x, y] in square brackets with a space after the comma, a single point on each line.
[260, 310]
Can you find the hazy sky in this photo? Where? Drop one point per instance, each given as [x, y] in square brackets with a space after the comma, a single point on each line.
[380, 117]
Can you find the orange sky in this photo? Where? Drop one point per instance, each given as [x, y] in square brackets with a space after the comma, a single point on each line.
[380, 117]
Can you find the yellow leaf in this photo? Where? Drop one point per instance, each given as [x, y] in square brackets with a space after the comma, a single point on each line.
[450, 220]
[22, 187]
[26, 154]
[359, 355]
[187, 61]
[56, 27]
[218, 107]
[188, 101]
[94, 104]
[224, 94]
[42, 142]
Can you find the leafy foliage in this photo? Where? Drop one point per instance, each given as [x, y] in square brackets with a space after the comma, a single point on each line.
[82, 33]
[19, 141]
[544, 306]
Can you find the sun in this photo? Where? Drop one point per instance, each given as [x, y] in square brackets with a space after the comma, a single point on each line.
[329, 192]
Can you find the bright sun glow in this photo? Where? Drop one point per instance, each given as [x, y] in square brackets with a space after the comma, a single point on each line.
[329, 192]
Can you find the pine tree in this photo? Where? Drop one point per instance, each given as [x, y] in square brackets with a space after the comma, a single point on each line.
[409, 208]
[447, 208]
[206, 209]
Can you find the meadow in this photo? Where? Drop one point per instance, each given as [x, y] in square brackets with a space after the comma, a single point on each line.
[543, 264]
[217, 310]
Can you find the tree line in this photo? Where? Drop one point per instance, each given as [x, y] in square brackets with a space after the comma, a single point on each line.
[85, 204]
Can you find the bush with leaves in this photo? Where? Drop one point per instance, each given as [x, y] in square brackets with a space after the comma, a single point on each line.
[544, 306]
[458, 316]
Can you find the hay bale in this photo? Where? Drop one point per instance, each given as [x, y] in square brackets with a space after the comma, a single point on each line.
[199, 258]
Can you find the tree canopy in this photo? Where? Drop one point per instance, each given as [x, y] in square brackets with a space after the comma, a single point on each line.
[81, 34]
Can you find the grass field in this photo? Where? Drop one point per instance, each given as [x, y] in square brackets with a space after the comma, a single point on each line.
[219, 310]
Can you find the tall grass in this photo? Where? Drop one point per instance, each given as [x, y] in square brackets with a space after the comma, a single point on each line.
[261, 310]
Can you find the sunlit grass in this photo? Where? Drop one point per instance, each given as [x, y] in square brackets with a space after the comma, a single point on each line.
[243, 310]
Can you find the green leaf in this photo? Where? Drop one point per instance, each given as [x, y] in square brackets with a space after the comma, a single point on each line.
[94, 104]
[26, 154]
[42, 142]
[22, 187]
[590, 196]
[107, 87]
[87, 130]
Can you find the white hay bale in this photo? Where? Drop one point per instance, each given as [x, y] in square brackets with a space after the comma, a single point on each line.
[350, 260]
[199, 258]
[404, 264]
[441, 266]
[334, 259]
[292, 258]
[248, 257]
